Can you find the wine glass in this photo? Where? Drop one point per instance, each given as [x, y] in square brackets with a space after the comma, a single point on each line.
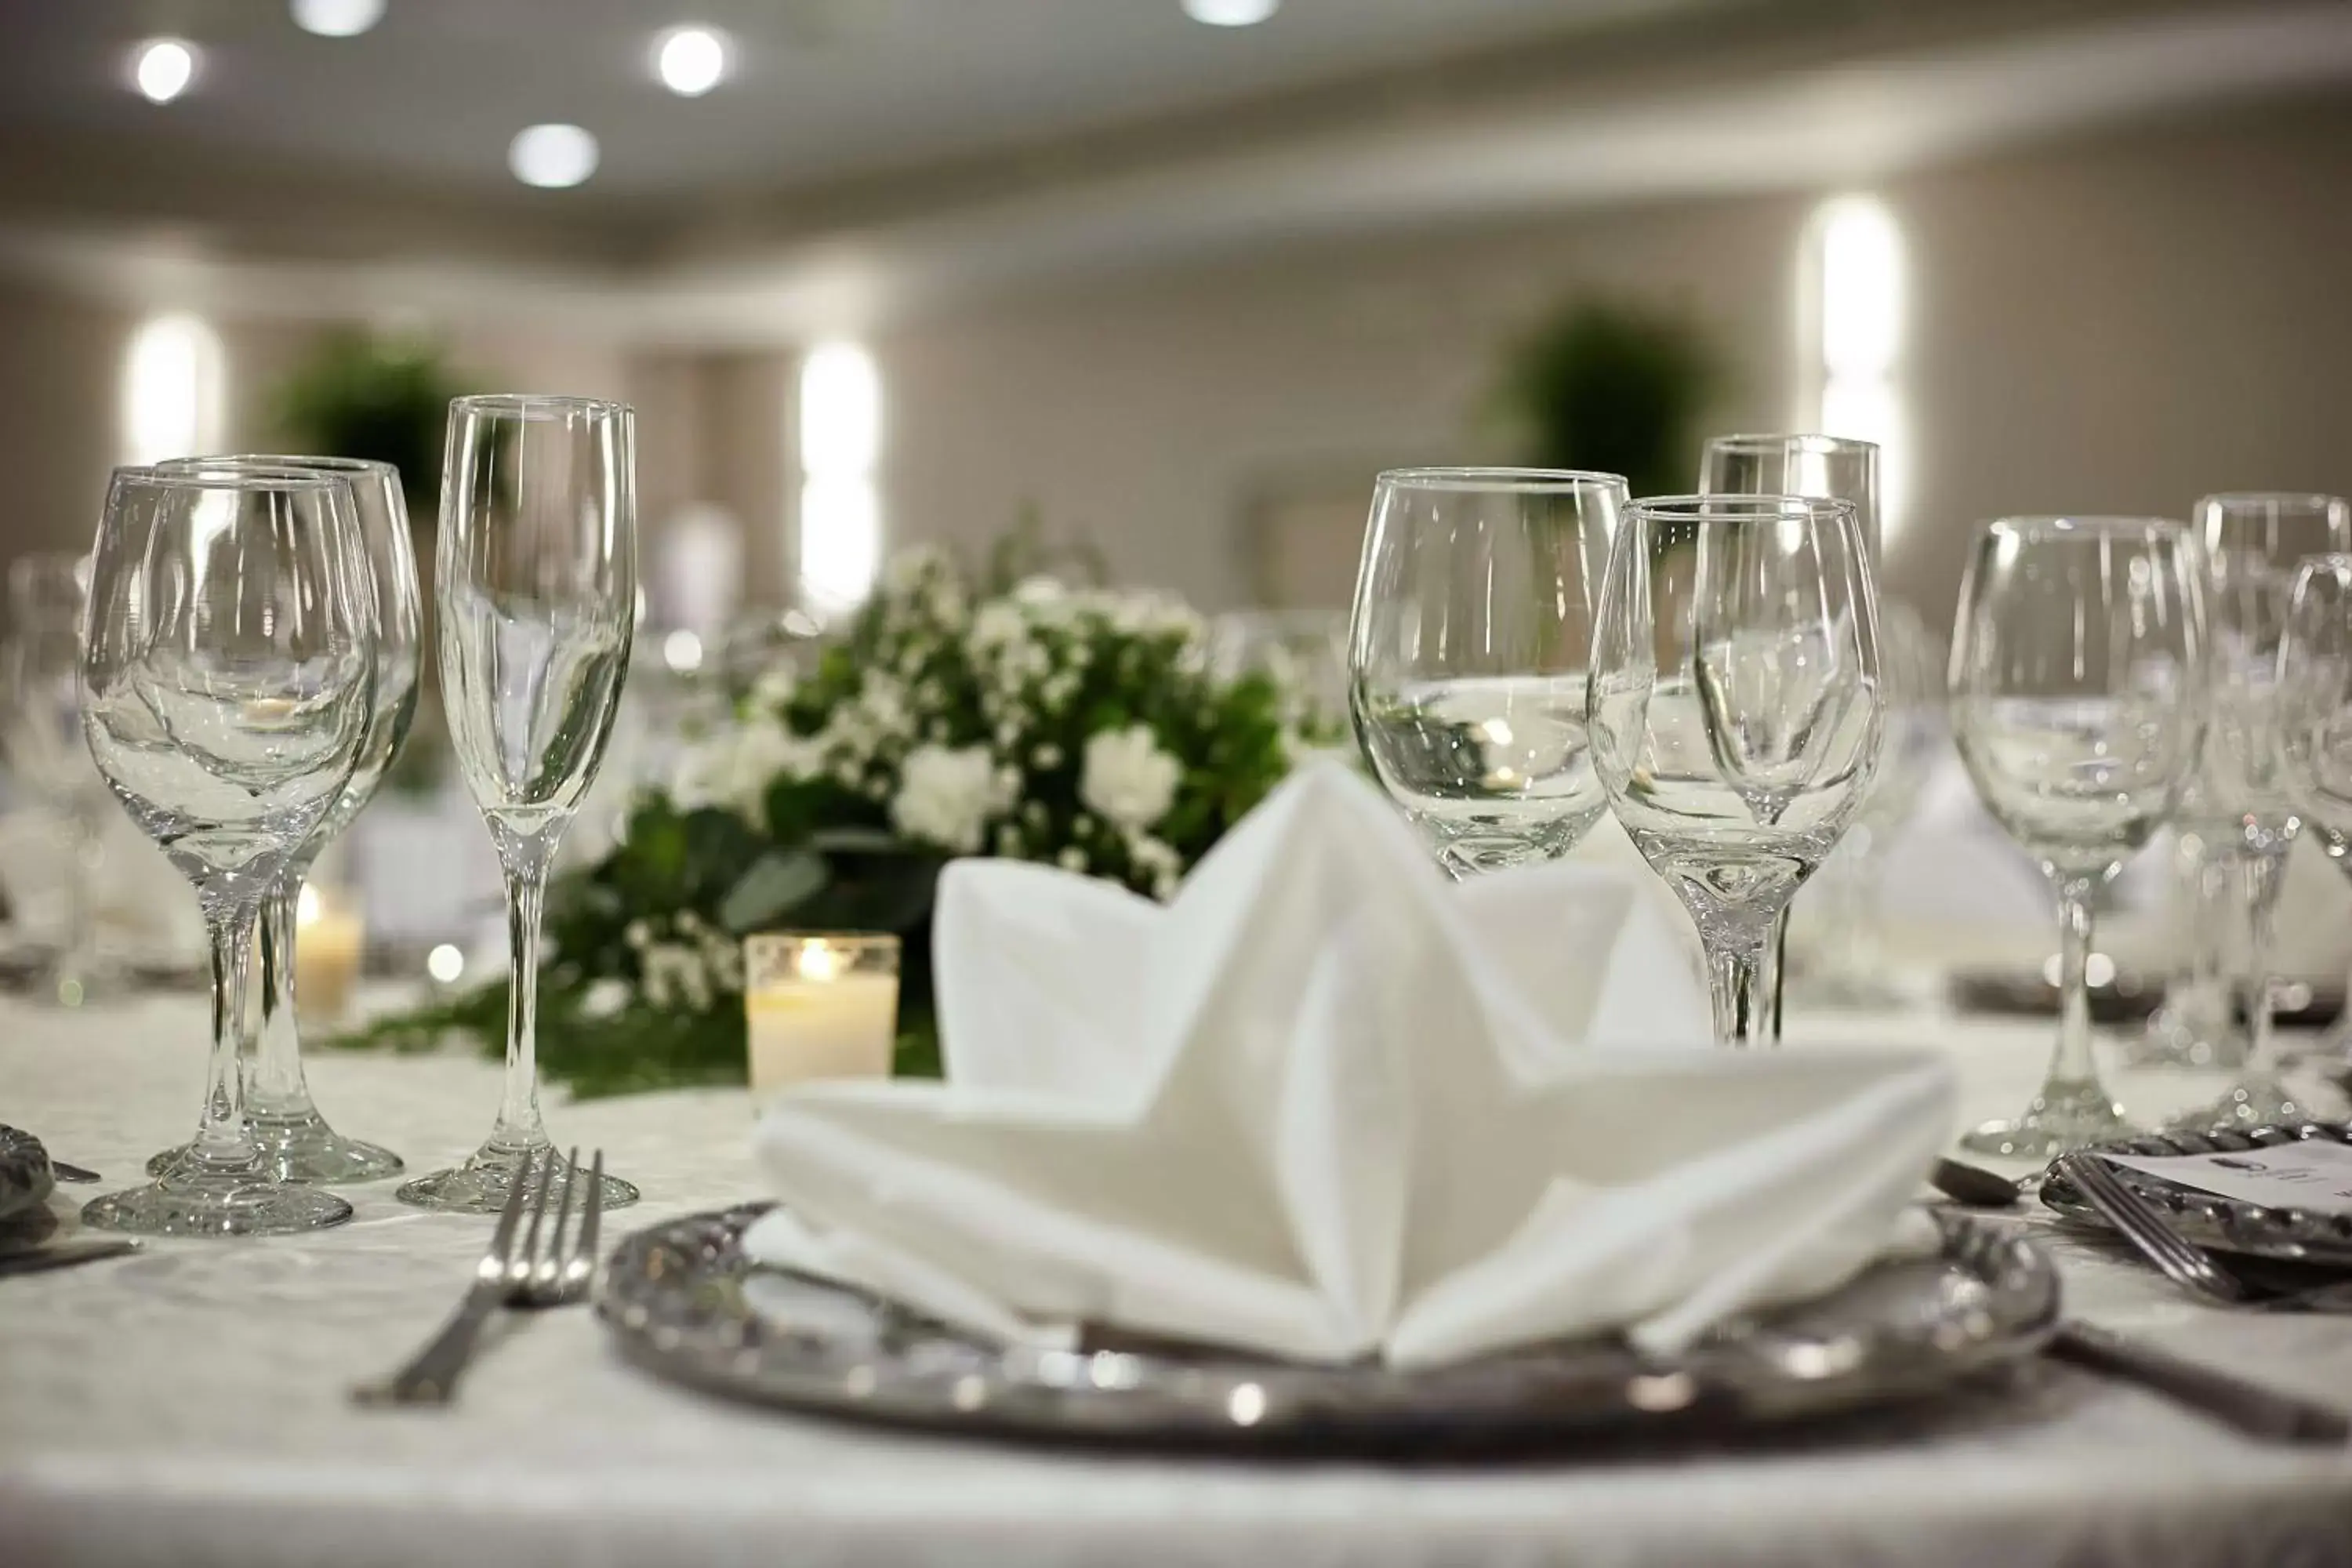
[1833, 467]
[301, 1144]
[2252, 546]
[47, 594]
[2315, 706]
[2078, 701]
[1467, 650]
[535, 605]
[227, 683]
[1735, 708]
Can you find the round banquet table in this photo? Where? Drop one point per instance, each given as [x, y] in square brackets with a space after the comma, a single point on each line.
[189, 1405]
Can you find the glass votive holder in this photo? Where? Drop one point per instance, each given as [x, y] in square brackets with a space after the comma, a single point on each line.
[819, 1005]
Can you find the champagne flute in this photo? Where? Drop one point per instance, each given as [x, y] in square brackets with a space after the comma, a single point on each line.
[1833, 467]
[2078, 701]
[227, 683]
[2252, 546]
[1467, 650]
[536, 594]
[1735, 709]
[48, 596]
[301, 1144]
[2315, 710]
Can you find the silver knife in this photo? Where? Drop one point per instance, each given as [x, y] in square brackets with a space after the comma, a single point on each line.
[2251, 1407]
[64, 1255]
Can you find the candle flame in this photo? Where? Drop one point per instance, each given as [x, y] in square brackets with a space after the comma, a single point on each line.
[820, 960]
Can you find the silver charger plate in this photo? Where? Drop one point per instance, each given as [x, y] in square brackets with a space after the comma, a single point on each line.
[2209, 1219]
[684, 1301]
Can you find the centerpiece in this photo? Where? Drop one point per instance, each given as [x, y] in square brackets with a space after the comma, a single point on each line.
[1005, 712]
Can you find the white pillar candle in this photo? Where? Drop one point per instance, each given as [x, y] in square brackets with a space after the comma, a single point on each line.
[819, 1007]
[328, 940]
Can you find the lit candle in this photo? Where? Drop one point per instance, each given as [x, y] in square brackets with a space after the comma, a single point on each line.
[328, 938]
[819, 1007]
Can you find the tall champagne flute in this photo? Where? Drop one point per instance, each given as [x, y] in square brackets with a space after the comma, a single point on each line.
[535, 599]
[47, 594]
[301, 1145]
[1467, 650]
[2078, 701]
[228, 682]
[2314, 716]
[1832, 467]
[1736, 711]
[2251, 546]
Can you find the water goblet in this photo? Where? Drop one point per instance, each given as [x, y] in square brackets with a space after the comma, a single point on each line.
[2078, 701]
[299, 1141]
[2315, 712]
[227, 683]
[535, 599]
[1467, 650]
[1736, 711]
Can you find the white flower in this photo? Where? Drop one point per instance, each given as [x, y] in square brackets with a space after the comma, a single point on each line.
[946, 798]
[734, 770]
[1128, 778]
[1046, 757]
[774, 687]
[1071, 859]
[603, 997]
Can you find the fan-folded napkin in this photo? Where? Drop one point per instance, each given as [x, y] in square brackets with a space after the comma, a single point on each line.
[1326, 1105]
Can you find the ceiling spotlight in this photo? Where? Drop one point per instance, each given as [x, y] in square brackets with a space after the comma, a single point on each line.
[162, 69]
[690, 61]
[1231, 12]
[337, 18]
[552, 156]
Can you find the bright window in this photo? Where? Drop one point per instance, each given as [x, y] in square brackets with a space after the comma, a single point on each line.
[840, 447]
[171, 390]
[1855, 327]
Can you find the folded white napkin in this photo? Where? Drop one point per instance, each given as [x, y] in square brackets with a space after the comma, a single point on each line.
[1327, 1105]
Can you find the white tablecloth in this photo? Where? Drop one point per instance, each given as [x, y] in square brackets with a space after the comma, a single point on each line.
[188, 1408]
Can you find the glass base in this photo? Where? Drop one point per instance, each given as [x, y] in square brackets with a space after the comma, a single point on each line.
[2185, 1039]
[191, 1199]
[303, 1148]
[481, 1185]
[2259, 1099]
[2062, 1116]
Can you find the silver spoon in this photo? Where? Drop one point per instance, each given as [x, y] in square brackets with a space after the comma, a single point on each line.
[1973, 1185]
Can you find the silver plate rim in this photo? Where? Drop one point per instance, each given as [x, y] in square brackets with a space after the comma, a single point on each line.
[672, 1296]
[2209, 1219]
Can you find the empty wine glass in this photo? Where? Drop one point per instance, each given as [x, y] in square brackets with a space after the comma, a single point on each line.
[47, 594]
[1832, 467]
[227, 683]
[1467, 650]
[1735, 709]
[2314, 706]
[536, 596]
[301, 1144]
[2251, 547]
[2078, 701]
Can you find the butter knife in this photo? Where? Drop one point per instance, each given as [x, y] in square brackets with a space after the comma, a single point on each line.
[2253, 1408]
[64, 1255]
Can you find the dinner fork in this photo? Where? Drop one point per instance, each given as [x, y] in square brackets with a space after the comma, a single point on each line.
[534, 1275]
[2180, 1262]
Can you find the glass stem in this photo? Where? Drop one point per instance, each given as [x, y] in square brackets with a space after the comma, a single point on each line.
[224, 1140]
[1772, 974]
[1735, 978]
[519, 1126]
[2074, 1063]
[2261, 877]
[277, 1088]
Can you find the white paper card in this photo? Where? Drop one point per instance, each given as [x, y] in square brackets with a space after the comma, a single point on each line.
[2314, 1176]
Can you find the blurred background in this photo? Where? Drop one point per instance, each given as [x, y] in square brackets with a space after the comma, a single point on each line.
[1178, 276]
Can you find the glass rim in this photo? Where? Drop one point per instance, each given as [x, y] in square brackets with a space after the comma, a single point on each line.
[1505, 480]
[2087, 525]
[1701, 508]
[1808, 441]
[287, 461]
[2270, 500]
[538, 406]
[197, 474]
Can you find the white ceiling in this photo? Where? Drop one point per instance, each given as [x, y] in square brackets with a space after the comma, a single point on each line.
[823, 90]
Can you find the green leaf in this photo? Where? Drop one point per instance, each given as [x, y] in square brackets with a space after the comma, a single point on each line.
[771, 888]
[854, 840]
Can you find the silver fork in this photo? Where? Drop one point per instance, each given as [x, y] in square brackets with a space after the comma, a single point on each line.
[2139, 1222]
[535, 1275]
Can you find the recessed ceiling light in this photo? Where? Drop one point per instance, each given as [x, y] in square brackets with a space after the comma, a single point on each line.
[552, 156]
[337, 18]
[690, 61]
[1231, 12]
[162, 69]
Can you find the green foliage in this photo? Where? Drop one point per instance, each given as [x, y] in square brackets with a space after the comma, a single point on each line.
[387, 401]
[1615, 387]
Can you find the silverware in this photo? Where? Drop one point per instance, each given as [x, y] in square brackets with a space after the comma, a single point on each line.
[2250, 1408]
[2140, 1223]
[64, 1172]
[64, 1255]
[1973, 1185]
[532, 1275]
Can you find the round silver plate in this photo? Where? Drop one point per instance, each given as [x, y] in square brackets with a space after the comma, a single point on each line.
[2226, 1225]
[685, 1302]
